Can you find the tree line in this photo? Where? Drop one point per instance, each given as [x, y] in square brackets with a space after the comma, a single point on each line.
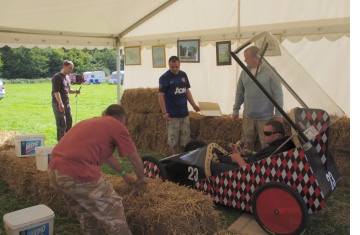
[44, 63]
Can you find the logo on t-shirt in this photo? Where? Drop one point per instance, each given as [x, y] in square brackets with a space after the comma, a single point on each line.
[183, 79]
[180, 90]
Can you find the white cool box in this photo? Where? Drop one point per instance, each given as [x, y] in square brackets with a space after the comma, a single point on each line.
[33, 145]
[43, 156]
[32, 220]
[25, 144]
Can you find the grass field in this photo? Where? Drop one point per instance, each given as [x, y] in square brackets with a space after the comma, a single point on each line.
[27, 109]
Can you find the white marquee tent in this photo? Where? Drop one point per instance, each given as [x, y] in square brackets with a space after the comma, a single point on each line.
[316, 33]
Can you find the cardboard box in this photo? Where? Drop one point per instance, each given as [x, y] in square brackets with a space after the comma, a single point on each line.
[210, 109]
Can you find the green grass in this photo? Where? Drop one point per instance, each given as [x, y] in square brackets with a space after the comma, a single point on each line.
[27, 109]
[9, 202]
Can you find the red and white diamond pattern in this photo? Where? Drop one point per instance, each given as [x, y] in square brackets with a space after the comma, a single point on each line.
[235, 188]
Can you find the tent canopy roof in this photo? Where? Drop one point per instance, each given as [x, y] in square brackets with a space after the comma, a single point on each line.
[103, 24]
[72, 23]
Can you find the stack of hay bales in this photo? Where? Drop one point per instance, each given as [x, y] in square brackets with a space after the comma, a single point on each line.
[158, 208]
[144, 120]
[148, 128]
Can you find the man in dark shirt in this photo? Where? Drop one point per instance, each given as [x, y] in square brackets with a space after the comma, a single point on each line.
[174, 93]
[60, 99]
[274, 135]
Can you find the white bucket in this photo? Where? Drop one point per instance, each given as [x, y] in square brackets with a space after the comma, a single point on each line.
[43, 156]
[25, 144]
[32, 220]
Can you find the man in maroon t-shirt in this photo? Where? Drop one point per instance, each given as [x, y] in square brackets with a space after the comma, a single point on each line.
[74, 170]
[60, 99]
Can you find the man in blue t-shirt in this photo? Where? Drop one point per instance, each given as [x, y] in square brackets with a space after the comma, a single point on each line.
[174, 92]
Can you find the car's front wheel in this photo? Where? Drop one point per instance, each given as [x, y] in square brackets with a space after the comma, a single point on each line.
[279, 209]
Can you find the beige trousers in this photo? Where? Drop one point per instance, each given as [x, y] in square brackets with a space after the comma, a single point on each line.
[252, 129]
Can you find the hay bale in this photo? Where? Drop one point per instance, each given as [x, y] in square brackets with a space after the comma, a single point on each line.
[141, 100]
[167, 208]
[195, 123]
[161, 143]
[10, 169]
[7, 137]
[339, 144]
[158, 208]
[340, 134]
[148, 131]
[135, 123]
[220, 129]
[342, 160]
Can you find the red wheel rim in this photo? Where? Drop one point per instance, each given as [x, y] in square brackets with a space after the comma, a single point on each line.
[279, 210]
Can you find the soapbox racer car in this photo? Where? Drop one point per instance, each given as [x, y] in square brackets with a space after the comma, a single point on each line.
[282, 189]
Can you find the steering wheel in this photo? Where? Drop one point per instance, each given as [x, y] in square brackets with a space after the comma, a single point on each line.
[211, 157]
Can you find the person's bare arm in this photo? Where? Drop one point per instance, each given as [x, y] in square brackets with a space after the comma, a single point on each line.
[72, 91]
[60, 103]
[191, 100]
[238, 159]
[161, 97]
[115, 164]
[138, 166]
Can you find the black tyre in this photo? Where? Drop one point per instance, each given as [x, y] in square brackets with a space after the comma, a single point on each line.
[279, 209]
[194, 144]
[153, 168]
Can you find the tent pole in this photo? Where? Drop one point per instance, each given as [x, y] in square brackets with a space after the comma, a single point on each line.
[118, 83]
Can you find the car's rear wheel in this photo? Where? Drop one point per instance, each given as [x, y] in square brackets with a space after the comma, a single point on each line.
[153, 168]
[279, 209]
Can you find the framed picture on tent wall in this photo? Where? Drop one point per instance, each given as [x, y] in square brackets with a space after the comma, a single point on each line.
[132, 56]
[222, 53]
[158, 56]
[189, 50]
